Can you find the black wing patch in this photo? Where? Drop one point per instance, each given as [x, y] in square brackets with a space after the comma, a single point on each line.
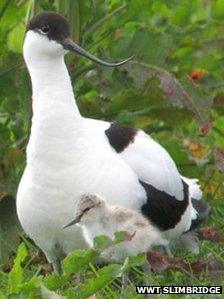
[120, 136]
[162, 209]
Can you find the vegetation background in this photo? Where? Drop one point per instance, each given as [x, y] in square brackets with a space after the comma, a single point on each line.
[173, 89]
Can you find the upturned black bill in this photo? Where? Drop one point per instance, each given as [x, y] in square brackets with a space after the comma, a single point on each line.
[68, 44]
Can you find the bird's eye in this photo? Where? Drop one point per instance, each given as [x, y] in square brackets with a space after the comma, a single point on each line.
[87, 209]
[45, 29]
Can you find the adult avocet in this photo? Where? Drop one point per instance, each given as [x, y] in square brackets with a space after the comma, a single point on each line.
[68, 155]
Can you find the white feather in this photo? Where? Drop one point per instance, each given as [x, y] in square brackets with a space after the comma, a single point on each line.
[153, 165]
[194, 188]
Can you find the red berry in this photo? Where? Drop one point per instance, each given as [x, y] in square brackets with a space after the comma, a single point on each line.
[196, 74]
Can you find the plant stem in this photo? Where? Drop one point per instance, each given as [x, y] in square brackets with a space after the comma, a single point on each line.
[104, 19]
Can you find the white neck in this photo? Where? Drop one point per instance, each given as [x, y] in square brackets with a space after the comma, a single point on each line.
[56, 121]
[52, 89]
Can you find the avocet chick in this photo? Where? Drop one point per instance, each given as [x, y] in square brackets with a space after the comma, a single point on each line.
[97, 217]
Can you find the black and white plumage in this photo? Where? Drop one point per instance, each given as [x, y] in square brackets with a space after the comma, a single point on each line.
[68, 155]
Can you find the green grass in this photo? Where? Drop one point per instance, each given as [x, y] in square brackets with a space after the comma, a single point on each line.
[34, 279]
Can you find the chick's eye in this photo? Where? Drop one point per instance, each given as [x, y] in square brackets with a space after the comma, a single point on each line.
[87, 209]
[45, 29]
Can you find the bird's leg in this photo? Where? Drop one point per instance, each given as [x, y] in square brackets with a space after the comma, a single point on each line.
[147, 271]
[124, 284]
[57, 266]
[59, 255]
[168, 251]
[164, 250]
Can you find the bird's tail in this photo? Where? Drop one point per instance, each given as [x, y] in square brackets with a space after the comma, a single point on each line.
[202, 208]
[194, 188]
[200, 213]
[189, 240]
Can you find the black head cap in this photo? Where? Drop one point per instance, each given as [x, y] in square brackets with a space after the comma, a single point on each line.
[56, 28]
[50, 24]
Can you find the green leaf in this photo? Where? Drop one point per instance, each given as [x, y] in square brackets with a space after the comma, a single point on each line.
[30, 289]
[104, 277]
[16, 275]
[136, 260]
[90, 104]
[147, 46]
[54, 282]
[198, 99]
[102, 242]
[15, 38]
[121, 236]
[77, 260]
[35, 288]
[218, 10]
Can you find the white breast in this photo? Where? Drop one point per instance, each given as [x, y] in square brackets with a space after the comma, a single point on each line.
[58, 172]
